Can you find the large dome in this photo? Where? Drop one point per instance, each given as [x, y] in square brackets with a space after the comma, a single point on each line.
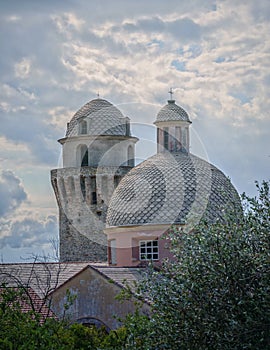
[104, 117]
[171, 188]
[172, 112]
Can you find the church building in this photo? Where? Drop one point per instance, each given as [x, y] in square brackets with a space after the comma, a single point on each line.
[114, 215]
[111, 210]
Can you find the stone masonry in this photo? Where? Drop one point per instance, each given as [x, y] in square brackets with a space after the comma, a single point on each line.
[83, 195]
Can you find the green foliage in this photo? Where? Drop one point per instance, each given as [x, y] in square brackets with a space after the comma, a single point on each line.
[137, 330]
[23, 330]
[216, 294]
[114, 340]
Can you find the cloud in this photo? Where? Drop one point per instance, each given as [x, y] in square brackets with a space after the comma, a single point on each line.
[67, 22]
[12, 193]
[183, 29]
[30, 130]
[22, 68]
[13, 18]
[28, 232]
[23, 121]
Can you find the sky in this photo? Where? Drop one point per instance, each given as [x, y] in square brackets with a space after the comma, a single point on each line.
[58, 55]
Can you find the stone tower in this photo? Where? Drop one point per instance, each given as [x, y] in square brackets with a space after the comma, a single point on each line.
[98, 150]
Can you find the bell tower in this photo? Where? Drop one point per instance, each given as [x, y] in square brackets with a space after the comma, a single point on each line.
[98, 150]
[172, 128]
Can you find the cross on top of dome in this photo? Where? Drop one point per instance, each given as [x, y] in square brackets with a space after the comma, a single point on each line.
[171, 93]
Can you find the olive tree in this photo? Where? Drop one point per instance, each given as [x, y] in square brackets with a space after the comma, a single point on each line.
[216, 292]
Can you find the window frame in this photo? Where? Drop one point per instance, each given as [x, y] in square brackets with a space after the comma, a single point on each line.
[83, 127]
[149, 248]
[166, 138]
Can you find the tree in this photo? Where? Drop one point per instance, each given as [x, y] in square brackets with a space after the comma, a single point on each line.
[216, 293]
[26, 320]
[23, 329]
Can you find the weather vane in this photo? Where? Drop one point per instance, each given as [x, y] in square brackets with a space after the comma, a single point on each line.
[171, 92]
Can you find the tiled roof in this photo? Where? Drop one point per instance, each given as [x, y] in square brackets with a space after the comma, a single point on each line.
[29, 301]
[122, 276]
[172, 111]
[44, 278]
[104, 119]
[171, 188]
[41, 277]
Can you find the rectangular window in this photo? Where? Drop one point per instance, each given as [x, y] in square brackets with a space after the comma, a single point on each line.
[149, 250]
[184, 138]
[166, 137]
[178, 138]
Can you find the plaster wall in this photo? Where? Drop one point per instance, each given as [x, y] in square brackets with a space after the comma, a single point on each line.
[102, 150]
[127, 241]
[94, 299]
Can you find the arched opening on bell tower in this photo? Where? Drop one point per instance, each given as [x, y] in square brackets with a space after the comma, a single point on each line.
[130, 155]
[82, 156]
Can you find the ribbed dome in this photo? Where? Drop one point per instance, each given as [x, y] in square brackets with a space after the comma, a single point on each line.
[171, 188]
[104, 117]
[172, 111]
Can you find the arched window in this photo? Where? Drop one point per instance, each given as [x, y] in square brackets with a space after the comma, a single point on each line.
[178, 138]
[93, 321]
[84, 155]
[83, 127]
[166, 137]
[184, 133]
[130, 156]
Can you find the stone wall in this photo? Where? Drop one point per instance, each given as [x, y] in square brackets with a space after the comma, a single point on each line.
[83, 195]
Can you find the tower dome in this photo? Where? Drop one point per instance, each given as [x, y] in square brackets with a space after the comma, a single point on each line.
[172, 112]
[172, 124]
[102, 117]
[171, 188]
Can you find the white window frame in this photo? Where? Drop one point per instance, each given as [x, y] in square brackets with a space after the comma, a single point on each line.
[149, 250]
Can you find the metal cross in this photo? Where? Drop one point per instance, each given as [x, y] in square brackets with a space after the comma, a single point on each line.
[171, 92]
[98, 94]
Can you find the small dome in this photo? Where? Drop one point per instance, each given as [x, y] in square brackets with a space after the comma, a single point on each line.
[104, 119]
[171, 188]
[172, 111]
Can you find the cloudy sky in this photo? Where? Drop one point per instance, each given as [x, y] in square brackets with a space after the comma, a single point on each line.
[56, 55]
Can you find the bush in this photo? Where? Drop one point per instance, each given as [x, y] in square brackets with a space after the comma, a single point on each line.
[216, 294]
